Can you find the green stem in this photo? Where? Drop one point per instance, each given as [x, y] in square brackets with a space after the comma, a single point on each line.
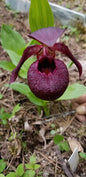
[46, 110]
[39, 109]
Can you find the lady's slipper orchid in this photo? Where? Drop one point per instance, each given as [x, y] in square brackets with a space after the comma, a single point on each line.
[47, 77]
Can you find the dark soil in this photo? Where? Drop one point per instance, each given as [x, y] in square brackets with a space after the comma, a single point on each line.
[18, 149]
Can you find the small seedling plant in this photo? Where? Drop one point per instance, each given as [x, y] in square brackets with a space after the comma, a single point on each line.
[4, 116]
[2, 165]
[62, 144]
[1, 96]
[59, 140]
[24, 170]
[82, 155]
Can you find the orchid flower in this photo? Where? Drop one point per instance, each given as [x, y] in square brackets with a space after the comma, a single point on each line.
[48, 77]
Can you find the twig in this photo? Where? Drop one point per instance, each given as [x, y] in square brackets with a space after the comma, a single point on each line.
[55, 116]
[5, 104]
[68, 124]
[9, 164]
[3, 82]
[56, 168]
[63, 163]
[47, 158]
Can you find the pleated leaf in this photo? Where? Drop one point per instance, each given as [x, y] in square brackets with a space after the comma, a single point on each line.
[11, 39]
[40, 15]
[24, 89]
[73, 91]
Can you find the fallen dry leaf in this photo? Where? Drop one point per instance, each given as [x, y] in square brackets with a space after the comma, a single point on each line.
[42, 135]
[73, 143]
[28, 127]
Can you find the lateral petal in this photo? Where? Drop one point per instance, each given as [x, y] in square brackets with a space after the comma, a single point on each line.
[47, 36]
[61, 47]
[28, 52]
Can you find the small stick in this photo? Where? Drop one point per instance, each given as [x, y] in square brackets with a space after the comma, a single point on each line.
[55, 116]
[10, 164]
[47, 158]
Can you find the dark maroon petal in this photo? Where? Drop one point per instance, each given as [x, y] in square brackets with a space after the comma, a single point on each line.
[28, 52]
[50, 85]
[65, 50]
[47, 36]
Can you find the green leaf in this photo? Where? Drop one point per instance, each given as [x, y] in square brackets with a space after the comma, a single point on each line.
[15, 58]
[20, 170]
[2, 165]
[2, 110]
[82, 155]
[4, 121]
[20, 87]
[1, 175]
[64, 146]
[32, 166]
[73, 91]
[29, 173]
[11, 174]
[58, 138]
[33, 159]
[53, 132]
[7, 65]
[24, 89]
[1, 96]
[53, 125]
[16, 109]
[4, 116]
[70, 64]
[32, 42]
[41, 16]
[29, 166]
[36, 166]
[10, 39]
[26, 173]
[25, 67]
[15, 47]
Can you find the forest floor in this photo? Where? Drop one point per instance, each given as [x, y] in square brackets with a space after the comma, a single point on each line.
[17, 143]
